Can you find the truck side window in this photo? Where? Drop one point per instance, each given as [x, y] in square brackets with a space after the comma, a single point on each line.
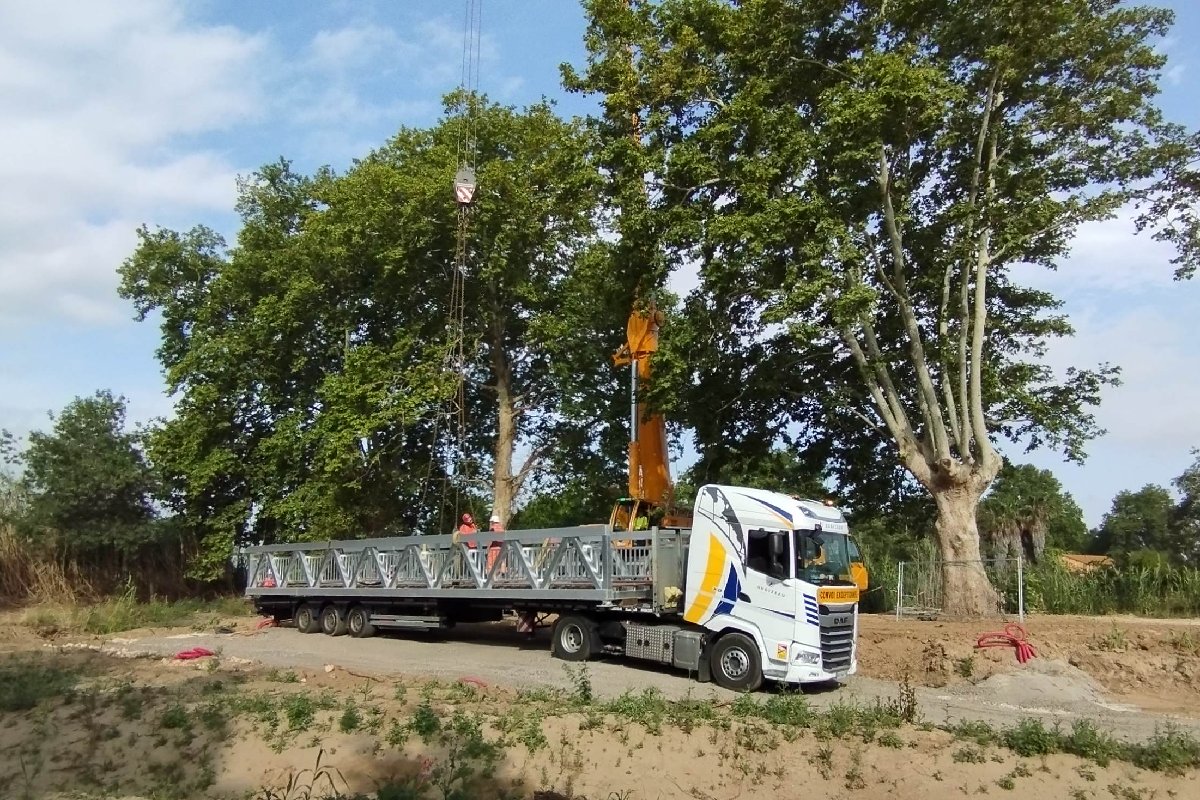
[759, 555]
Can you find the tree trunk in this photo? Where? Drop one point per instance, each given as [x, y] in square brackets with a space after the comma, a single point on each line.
[503, 483]
[966, 590]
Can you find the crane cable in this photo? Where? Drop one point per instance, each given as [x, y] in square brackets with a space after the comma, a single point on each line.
[464, 195]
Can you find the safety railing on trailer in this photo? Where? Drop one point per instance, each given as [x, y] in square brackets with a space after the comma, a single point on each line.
[588, 557]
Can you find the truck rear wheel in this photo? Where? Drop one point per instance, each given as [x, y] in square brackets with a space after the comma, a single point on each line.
[333, 620]
[306, 619]
[358, 622]
[735, 663]
[574, 639]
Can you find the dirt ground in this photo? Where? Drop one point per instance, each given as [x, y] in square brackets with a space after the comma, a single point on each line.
[1151, 665]
[1132, 677]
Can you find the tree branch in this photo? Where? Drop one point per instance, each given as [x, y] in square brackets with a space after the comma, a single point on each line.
[930, 408]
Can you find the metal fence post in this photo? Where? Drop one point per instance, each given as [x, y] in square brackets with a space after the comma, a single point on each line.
[899, 589]
[1021, 585]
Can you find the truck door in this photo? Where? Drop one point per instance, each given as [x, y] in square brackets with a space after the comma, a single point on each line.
[768, 597]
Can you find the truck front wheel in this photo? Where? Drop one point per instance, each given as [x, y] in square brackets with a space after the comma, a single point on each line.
[735, 663]
[574, 639]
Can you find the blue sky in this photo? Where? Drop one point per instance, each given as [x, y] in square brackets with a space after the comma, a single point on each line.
[129, 111]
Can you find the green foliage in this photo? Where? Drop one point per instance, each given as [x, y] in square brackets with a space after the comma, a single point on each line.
[1029, 502]
[1140, 520]
[88, 481]
[855, 188]
[24, 684]
[312, 360]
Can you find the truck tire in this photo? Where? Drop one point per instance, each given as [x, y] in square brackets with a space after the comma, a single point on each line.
[307, 620]
[574, 639]
[358, 623]
[333, 620]
[735, 663]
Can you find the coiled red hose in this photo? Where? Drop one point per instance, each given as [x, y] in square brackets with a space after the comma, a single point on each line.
[1013, 636]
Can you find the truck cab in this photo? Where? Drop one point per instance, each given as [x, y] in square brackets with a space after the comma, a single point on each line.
[770, 575]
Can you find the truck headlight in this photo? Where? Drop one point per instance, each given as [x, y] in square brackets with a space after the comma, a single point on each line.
[808, 657]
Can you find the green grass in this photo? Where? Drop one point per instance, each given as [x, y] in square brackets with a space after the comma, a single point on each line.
[125, 612]
[25, 683]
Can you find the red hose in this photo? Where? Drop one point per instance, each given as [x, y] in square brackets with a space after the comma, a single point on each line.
[1013, 636]
[269, 622]
[195, 652]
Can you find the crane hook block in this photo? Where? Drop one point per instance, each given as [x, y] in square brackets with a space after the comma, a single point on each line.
[464, 185]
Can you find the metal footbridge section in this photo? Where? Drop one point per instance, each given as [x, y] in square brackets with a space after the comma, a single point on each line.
[586, 563]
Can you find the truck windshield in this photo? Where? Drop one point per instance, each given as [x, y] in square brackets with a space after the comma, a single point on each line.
[822, 558]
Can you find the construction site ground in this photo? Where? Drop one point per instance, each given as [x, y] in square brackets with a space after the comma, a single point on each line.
[1132, 677]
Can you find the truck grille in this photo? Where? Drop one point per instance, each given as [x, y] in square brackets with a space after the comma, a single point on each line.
[837, 639]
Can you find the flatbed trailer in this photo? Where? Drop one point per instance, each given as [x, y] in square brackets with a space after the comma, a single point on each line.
[701, 599]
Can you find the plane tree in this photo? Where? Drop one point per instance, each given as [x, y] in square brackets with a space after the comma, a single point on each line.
[315, 364]
[858, 181]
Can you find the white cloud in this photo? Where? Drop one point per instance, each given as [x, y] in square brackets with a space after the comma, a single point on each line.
[1107, 256]
[98, 100]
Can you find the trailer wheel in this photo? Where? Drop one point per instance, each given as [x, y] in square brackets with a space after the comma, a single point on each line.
[307, 619]
[735, 663]
[574, 639]
[358, 622]
[333, 620]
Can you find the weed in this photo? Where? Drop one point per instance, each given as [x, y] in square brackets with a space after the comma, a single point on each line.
[276, 676]
[213, 717]
[1021, 771]
[1085, 773]
[965, 667]
[823, 761]
[425, 722]
[397, 735]
[24, 684]
[890, 739]
[1006, 783]
[350, 719]
[1170, 750]
[854, 776]
[1115, 641]
[1079, 794]
[307, 784]
[979, 732]
[301, 711]
[1184, 642]
[1088, 742]
[1031, 738]
[904, 705]
[968, 754]
[1123, 792]
[581, 683]
[175, 718]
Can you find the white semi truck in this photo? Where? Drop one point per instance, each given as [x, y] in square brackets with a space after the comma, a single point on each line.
[758, 588]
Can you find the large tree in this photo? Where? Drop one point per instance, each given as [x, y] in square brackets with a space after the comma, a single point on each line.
[857, 179]
[322, 391]
[88, 488]
[1027, 512]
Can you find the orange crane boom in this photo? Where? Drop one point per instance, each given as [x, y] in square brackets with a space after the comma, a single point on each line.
[650, 489]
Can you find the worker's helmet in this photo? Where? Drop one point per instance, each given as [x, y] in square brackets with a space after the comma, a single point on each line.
[494, 518]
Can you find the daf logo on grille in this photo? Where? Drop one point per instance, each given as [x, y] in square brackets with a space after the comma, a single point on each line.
[840, 619]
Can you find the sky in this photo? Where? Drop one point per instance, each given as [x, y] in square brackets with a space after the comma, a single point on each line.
[118, 113]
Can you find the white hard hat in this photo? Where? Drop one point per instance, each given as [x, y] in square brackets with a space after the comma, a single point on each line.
[494, 518]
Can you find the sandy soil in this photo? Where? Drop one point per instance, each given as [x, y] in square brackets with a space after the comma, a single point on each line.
[1130, 676]
[119, 734]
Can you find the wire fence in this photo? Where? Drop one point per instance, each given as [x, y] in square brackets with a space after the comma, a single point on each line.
[920, 585]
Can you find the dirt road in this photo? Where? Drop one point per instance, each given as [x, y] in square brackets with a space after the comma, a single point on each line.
[1047, 687]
